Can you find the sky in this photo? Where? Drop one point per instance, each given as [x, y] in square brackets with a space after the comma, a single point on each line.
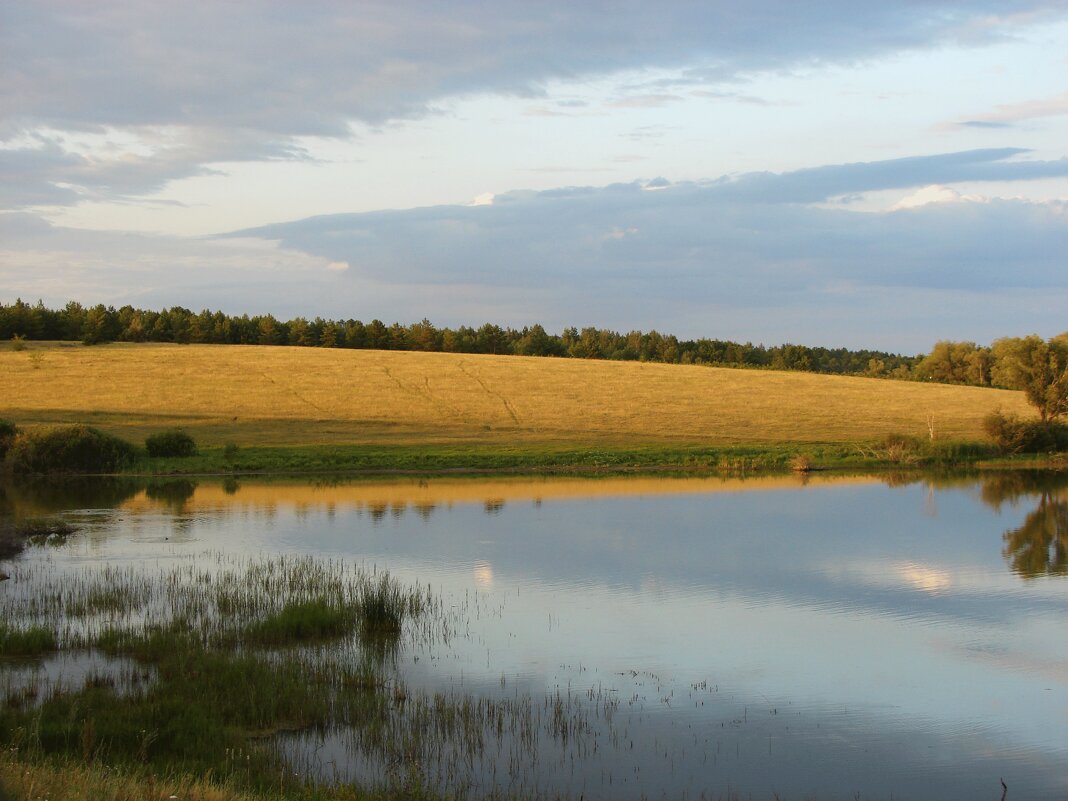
[869, 175]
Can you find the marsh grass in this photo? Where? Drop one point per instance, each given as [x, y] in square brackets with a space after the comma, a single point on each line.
[30, 641]
[317, 619]
[232, 653]
[382, 606]
[223, 667]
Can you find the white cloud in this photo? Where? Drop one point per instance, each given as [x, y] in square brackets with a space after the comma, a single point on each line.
[199, 83]
[935, 193]
[1009, 113]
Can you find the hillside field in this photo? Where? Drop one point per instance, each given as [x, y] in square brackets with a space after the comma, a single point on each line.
[282, 396]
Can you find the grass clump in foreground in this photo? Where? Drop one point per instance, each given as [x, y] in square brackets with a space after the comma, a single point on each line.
[381, 607]
[31, 641]
[304, 621]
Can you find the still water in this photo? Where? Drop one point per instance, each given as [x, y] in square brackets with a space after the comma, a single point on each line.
[896, 637]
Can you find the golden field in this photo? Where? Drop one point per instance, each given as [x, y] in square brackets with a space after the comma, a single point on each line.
[296, 396]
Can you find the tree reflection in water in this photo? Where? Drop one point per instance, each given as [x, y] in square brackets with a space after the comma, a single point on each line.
[1039, 547]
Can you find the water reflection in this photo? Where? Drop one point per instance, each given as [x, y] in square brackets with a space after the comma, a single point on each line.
[173, 493]
[41, 496]
[1040, 546]
[871, 633]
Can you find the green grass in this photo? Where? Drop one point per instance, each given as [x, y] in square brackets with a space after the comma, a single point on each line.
[529, 457]
[532, 457]
[32, 641]
[305, 621]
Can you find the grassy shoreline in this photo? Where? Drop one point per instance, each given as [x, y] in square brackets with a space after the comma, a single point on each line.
[895, 453]
[449, 460]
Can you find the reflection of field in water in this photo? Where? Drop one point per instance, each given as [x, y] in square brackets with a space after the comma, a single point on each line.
[629, 637]
[426, 494]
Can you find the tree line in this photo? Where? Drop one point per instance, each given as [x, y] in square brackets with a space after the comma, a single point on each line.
[98, 324]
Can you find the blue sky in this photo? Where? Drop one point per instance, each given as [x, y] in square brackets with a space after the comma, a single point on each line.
[833, 173]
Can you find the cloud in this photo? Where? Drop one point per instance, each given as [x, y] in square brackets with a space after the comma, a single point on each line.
[56, 264]
[245, 80]
[744, 257]
[740, 257]
[822, 183]
[48, 170]
[1006, 115]
[984, 124]
[645, 101]
[311, 68]
[935, 193]
[737, 97]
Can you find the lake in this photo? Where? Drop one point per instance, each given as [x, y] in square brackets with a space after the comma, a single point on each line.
[897, 636]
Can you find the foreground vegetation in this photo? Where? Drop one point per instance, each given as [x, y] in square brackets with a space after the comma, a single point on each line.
[277, 409]
[204, 665]
[216, 679]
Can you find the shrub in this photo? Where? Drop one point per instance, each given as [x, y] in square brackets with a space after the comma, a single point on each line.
[68, 449]
[171, 443]
[902, 448]
[8, 430]
[1011, 434]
